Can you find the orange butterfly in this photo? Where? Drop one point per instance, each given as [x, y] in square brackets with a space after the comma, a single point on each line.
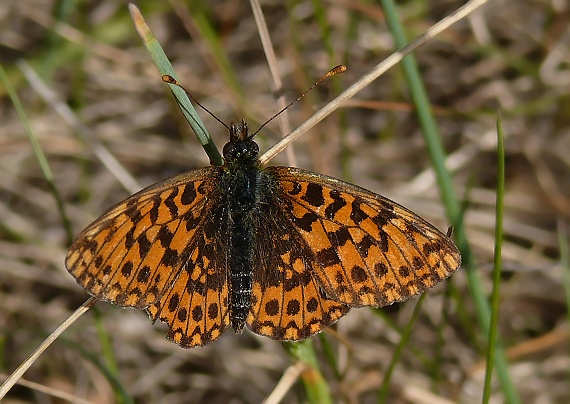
[281, 250]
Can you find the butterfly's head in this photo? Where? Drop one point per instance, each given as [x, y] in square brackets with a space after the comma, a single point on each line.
[241, 146]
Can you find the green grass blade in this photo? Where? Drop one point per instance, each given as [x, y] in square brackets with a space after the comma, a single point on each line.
[164, 67]
[330, 354]
[121, 395]
[105, 341]
[495, 296]
[451, 203]
[315, 384]
[404, 338]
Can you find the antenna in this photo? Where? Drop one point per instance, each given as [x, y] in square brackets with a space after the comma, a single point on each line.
[171, 80]
[335, 70]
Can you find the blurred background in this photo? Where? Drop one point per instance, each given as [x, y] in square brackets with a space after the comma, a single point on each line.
[81, 72]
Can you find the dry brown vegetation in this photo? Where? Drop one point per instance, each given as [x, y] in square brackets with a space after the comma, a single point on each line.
[512, 56]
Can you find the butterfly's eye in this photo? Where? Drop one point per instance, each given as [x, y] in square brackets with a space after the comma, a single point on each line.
[227, 150]
[253, 148]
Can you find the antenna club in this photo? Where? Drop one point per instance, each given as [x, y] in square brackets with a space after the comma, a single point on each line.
[170, 80]
[337, 70]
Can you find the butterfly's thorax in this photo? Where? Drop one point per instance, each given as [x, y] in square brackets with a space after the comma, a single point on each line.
[240, 182]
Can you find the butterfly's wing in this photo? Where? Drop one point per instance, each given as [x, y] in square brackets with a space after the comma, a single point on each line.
[196, 307]
[287, 301]
[157, 248]
[364, 249]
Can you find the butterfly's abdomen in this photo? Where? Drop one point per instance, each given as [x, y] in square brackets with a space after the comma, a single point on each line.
[241, 204]
[240, 271]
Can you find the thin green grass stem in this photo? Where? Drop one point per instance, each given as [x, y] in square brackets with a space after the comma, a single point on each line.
[450, 201]
[495, 295]
[164, 67]
[315, 385]
[404, 338]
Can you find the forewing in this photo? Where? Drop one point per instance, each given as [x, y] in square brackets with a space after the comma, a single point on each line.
[370, 250]
[150, 250]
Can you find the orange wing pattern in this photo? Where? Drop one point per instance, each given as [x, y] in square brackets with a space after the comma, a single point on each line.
[287, 301]
[319, 247]
[196, 307]
[370, 250]
[324, 245]
[154, 249]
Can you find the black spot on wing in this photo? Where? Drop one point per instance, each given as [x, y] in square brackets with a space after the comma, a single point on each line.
[314, 195]
[337, 204]
[306, 222]
[188, 195]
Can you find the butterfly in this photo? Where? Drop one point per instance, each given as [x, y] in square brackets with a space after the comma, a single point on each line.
[282, 251]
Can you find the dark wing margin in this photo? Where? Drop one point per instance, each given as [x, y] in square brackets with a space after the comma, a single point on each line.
[370, 250]
[142, 249]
